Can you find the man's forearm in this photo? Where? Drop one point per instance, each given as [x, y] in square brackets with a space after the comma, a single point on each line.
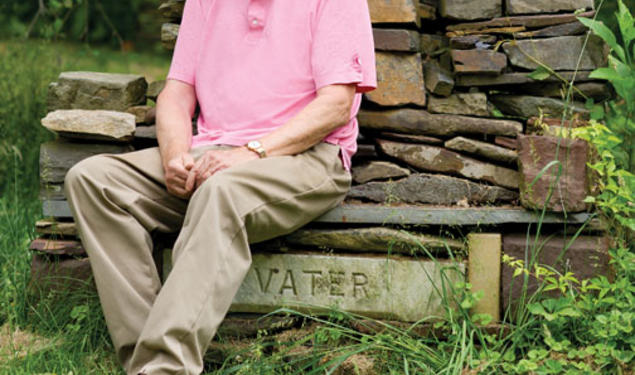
[174, 126]
[311, 125]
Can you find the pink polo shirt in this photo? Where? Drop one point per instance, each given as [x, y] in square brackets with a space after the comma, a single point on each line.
[256, 63]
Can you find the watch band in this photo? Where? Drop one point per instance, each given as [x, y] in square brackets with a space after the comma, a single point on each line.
[257, 147]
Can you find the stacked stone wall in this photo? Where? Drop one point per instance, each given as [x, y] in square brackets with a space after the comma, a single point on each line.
[468, 110]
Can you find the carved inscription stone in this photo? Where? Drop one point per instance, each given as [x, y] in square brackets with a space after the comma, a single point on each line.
[394, 288]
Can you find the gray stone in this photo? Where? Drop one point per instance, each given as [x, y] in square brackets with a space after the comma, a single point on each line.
[432, 189]
[394, 11]
[399, 80]
[90, 90]
[571, 28]
[59, 275]
[56, 228]
[57, 157]
[140, 112]
[432, 44]
[470, 9]
[172, 9]
[378, 170]
[507, 79]
[545, 6]
[581, 91]
[378, 287]
[438, 81]
[169, 34]
[57, 247]
[409, 138]
[146, 132]
[482, 149]
[509, 143]
[154, 89]
[530, 106]
[355, 213]
[559, 53]
[376, 239]
[478, 61]
[58, 209]
[586, 257]
[569, 189]
[396, 40]
[420, 122]
[437, 159]
[470, 104]
[532, 22]
[91, 124]
[473, 41]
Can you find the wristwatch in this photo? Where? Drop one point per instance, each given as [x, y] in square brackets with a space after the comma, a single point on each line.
[256, 147]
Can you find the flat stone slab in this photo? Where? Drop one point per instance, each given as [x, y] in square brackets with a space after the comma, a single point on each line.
[545, 6]
[94, 90]
[378, 170]
[55, 228]
[377, 239]
[432, 189]
[91, 124]
[536, 21]
[507, 79]
[441, 160]
[57, 247]
[469, 104]
[473, 41]
[402, 214]
[399, 80]
[470, 9]
[527, 106]
[421, 122]
[478, 61]
[559, 53]
[381, 287]
[396, 40]
[571, 28]
[409, 138]
[143, 114]
[482, 149]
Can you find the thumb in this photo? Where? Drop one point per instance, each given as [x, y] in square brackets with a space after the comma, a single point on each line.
[188, 160]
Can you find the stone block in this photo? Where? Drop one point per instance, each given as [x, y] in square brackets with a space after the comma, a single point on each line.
[57, 157]
[482, 149]
[478, 61]
[507, 142]
[394, 11]
[378, 170]
[420, 122]
[484, 272]
[154, 89]
[409, 138]
[432, 189]
[570, 189]
[586, 257]
[526, 106]
[559, 53]
[396, 40]
[59, 274]
[441, 160]
[399, 80]
[57, 247]
[382, 287]
[545, 6]
[469, 104]
[438, 80]
[516, 79]
[91, 124]
[169, 34]
[531, 22]
[142, 114]
[470, 9]
[432, 44]
[375, 239]
[90, 90]
[565, 29]
[172, 9]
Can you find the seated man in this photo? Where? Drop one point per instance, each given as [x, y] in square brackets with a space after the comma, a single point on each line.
[279, 84]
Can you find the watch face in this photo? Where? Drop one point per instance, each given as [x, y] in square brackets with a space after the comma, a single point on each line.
[253, 144]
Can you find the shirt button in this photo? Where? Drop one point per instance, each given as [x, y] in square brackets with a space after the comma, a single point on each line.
[254, 22]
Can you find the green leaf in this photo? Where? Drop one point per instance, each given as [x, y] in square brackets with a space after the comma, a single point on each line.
[605, 33]
[626, 23]
[540, 74]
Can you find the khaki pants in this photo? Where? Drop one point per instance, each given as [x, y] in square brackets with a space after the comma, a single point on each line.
[118, 200]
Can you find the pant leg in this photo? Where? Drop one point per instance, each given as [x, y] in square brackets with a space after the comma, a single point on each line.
[250, 202]
[117, 200]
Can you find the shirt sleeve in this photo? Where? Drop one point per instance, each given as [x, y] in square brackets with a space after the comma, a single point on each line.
[188, 43]
[342, 49]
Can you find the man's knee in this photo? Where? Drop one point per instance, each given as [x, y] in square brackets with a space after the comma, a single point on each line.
[91, 168]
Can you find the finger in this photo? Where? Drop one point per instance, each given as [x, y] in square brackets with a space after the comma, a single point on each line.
[188, 160]
[177, 169]
[191, 179]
